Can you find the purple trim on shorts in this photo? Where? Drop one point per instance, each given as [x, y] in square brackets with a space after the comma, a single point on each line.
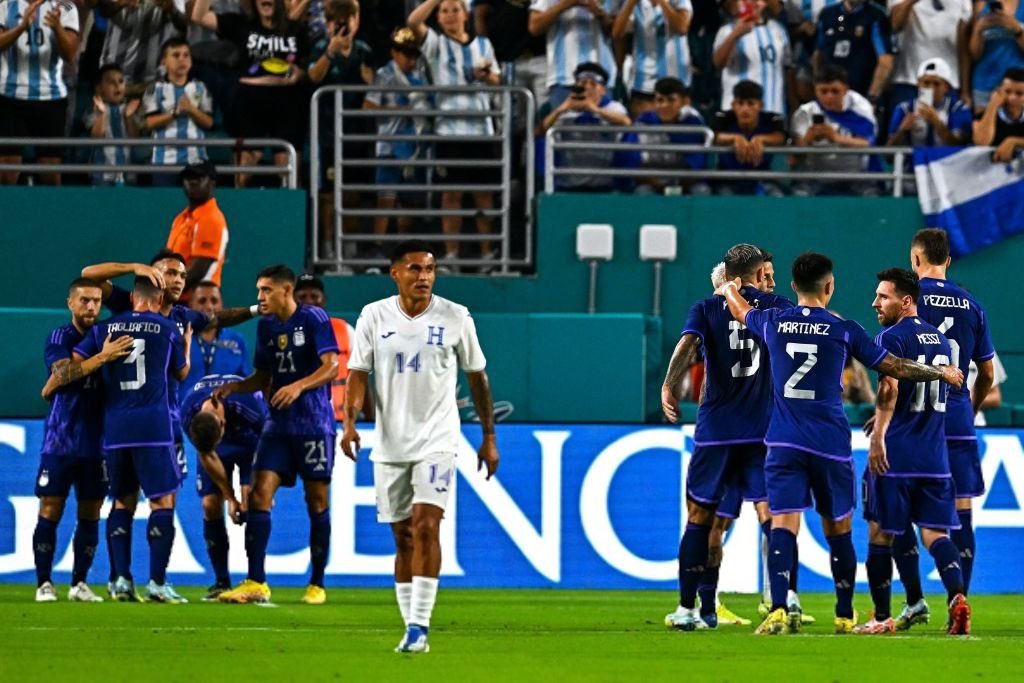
[727, 443]
[944, 527]
[695, 333]
[961, 438]
[919, 475]
[702, 500]
[844, 515]
[973, 494]
[786, 512]
[988, 357]
[725, 515]
[756, 500]
[691, 525]
[164, 493]
[139, 445]
[782, 444]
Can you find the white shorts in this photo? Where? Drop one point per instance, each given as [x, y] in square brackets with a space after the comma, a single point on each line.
[400, 485]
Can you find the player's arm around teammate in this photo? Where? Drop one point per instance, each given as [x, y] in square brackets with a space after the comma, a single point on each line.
[69, 370]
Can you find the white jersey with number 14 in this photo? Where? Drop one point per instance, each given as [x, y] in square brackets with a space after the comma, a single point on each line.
[415, 364]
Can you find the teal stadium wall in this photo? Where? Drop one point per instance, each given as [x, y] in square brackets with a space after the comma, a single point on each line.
[547, 358]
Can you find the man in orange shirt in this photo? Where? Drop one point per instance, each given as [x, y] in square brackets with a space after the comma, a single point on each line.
[200, 232]
[309, 290]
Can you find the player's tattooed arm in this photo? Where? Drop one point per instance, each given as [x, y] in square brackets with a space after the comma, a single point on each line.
[682, 358]
[229, 317]
[483, 403]
[68, 370]
[738, 306]
[904, 368]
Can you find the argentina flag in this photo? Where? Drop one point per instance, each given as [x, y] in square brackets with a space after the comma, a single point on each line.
[977, 201]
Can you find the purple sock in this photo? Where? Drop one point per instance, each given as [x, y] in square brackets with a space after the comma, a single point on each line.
[215, 534]
[781, 549]
[879, 567]
[257, 536]
[707, 588]
[963, 539]
[160, 533]
[693, 556]
[319, 545]
[947, 561]
[907, 557]
[44, 545]
[844, 572]
[119, 540]
[87, 537]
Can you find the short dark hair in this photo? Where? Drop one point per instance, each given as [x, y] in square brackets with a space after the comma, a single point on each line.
[205, 431]
[904, 281]
[810, 270]
[742, 259]
[82, 282]
[165, 254]
[145, 288]
[768, 256]
[668, 86]
[935, 244]
[174, 41]
[1014, 73]
[207, 283]
[107, 68]
[830, 73]
[309, 281]
[592, 67]
[409, 247]
[747, 90]
[277, 273]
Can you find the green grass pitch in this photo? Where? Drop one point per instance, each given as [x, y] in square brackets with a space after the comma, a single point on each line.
[481, 635]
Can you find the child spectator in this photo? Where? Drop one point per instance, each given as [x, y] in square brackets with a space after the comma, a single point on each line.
[748, 129]
[402, 70]
[110, 117]
[671, 107]
[1002, 125]
[177, 108]
[660, 48]
[752, 47]
[935, 117]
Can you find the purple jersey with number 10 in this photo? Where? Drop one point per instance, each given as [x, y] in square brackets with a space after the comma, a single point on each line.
[808, 348]
[958, 316]
[290, 350]
[137, 408]
[738, 392]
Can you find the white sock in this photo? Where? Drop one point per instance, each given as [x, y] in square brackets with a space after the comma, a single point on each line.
[403, 592]
[424, 593]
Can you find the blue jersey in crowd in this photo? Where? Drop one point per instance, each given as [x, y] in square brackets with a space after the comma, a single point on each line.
[957, 315]
[225, 355]
[244, 413]
[737, 393]
[808, 348]
[290, 350]
[767, 123]
[916, 439]
[137, 393]
[854, 39]
[119, 301]
[74, 425]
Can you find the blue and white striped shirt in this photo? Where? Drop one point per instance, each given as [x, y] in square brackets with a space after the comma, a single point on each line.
[452, 63]
[657, 51]
[116, 127]
[162, 97]
[761, 56]
[32, 68]
[574, 38]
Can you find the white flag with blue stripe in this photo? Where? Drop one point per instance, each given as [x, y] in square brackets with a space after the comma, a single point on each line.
[977, 201]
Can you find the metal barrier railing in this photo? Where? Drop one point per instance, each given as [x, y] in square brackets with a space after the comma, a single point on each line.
[427, 184]
[290, 172]
[553, 145]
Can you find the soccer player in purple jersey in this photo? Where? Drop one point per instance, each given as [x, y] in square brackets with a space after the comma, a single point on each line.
[72, 454]
[296, 359]
[808, 436]
[731, 423]
[225, 434]
[959, 316]
[908, 478]
[137, 433]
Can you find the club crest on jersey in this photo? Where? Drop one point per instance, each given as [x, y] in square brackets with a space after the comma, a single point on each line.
[44, 477]
[435, 335]
[858, 32]
[299, 337]
[282, 341]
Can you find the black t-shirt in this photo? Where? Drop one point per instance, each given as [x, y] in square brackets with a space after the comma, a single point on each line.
[265, 52]
[767, 122]
[1006, 128]
[508, 29]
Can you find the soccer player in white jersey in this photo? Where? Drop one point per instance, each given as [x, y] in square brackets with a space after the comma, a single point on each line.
[414, 343]
[752, 47]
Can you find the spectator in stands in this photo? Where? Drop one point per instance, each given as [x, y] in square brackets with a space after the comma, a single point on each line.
[36, 39]
[930, 30]
[403, 69]
[997, 44]
[177, 108]
[936, 117]
[109, 118]
[588, 104]
[215, 350]
[576, 32]
[802, 18]
[1002, 124]
[856, 35]
[856, 383]
[200, 232]
[135, 33]
[838, 117]
[340, 59]
[214, 59]
[506, 23]
[270, 100]
[671, 107]
[748, 129]
[312, 14]
[753, 47]
[454, 58]
[660, 48]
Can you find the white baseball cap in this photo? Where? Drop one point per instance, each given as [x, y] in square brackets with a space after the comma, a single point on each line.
[936, 67]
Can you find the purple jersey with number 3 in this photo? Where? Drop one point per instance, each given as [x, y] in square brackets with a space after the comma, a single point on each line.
[290, 350]
[808, 348]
